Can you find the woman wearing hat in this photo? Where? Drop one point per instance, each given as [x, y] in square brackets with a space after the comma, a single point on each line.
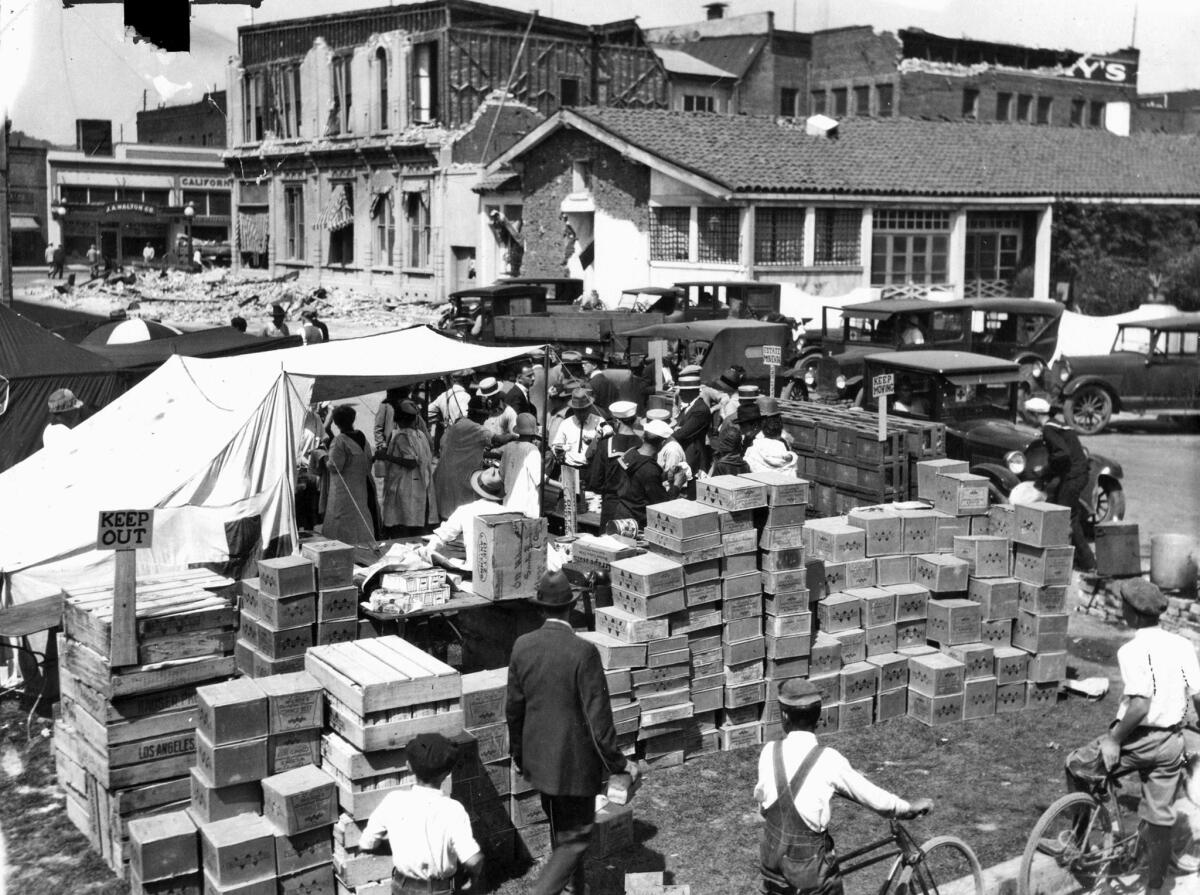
[409, 498]
[463, 448]
[348, 509]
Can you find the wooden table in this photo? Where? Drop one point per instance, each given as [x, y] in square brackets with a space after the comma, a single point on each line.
[37, 616]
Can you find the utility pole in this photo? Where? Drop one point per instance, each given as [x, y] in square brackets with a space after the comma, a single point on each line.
[6, 274]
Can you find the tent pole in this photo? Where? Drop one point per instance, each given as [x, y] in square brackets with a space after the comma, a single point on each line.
[545, 430]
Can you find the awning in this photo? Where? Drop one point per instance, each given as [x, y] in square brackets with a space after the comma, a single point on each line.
[377, 200]
[339, 213]
[24, 222]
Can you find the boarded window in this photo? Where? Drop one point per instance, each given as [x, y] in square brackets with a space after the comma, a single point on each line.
[669, 234]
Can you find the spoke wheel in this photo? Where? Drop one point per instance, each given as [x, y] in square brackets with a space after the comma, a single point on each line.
[1110, 507]
[1071, 847]
[1089, 410]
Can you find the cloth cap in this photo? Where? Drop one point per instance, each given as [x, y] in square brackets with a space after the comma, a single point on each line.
[571, 357]
[488, 484]
[489, 387]
[658, 413]
[591, 354]
[553, 591]
[581, 398]
[63, 400]
[658, 429]
[799, 693]
[526, 424]
[689, 382]
[430, 754]
[748, 413]
[747, 392]
[1144, 596]
[407, 406]
[768, 406]
[1037, 405]
[622, 410]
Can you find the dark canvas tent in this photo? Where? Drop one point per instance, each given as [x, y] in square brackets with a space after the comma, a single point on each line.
[35, 363]
[141, 358]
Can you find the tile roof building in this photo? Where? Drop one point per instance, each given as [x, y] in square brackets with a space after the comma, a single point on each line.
[900, 204]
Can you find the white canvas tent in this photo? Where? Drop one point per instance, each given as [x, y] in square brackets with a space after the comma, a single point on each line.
[204, 442]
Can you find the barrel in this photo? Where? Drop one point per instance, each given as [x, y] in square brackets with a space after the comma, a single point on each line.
[1173, 561]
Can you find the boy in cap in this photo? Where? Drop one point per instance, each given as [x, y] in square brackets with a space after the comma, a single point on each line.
[560, 731]
[429, 833]
[1159, 672]
[797, 779]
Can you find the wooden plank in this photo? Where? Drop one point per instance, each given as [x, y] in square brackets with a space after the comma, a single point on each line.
[389, 734]
[96, 673]
[383, 686]
[101, 734]
[416, 662]
[123, 649]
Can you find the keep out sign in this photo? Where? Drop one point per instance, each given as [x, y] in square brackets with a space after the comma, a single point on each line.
[125, 530]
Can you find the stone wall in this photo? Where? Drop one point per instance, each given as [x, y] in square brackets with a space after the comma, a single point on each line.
[1182, 615]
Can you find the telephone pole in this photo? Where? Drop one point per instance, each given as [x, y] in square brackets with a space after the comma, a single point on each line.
[6, 283]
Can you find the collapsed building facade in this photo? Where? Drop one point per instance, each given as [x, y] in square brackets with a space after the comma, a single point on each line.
[356, 139]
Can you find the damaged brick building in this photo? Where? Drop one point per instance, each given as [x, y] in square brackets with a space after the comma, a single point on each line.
[357, 138]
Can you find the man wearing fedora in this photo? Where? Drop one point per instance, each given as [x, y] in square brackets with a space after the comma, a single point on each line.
[797, 779]
[521, 469]
[455, 532]
[560, 731]
[65, 414]
[501, 419]
[1067, 474]
[1159, 674]
[691, 428]
[729, 449]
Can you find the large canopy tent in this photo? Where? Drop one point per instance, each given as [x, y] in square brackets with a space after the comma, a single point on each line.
[34, 364]
[140, 358]
[211, 445]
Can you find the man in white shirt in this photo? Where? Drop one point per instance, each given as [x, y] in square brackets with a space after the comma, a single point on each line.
[578, 430]
[797, 779]
[449, 406]
[429, 833]
[1160, 672]
[456, 530]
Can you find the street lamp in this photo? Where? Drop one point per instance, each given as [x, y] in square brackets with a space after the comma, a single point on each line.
[189, 212]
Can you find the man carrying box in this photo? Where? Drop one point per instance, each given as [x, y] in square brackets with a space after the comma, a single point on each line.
[560, 731]
[797, 778]
[429, 833]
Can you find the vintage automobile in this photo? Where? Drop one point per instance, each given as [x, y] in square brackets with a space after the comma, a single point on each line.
[1018, 329]
[733, 298]
[561, 292]
[1153, 367]
[975, 396]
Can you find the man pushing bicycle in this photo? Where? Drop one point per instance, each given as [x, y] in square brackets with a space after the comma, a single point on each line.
[1159, 671]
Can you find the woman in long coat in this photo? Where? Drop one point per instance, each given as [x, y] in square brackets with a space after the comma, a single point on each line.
[348, 511]
[462, 454]
[409, 499]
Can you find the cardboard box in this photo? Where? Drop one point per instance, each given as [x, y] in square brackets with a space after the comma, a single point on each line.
[910, 633]
[647, 574]
[858, 681]
[185, 884]
[629, 628]
[294, 702]
[881, 639]
[308, 881]
[783, 489]
[1010, 665]
[782, 560]
[276, 643]
[918, 530]
[912, 601]
[883, 527]
[261, 885]
[961, 494]
[829, 686]
[210, 803]
[303, 798]
[857, 715]
[1041, 695]
[941, 573]
[986, 556]
[854, 645]
[785, 581]
[894, 569]
[682, 518]
[652, 606]
[228, 712]
[748, 650]
[783, 538]
[739, 736]
[740, 629]
[286, 576]
[1002, 521]
[782, 668]
[978, 659]
[293, 749]
[230, 763]
[1010, 697]
[1049, 599]
[997, 597]
[841, 576]
[836, 541]
[696, 573]
[780, 516]
[483, 695]
[739, 563]
[1048, 667]
[891, 671]
[979, 698]
[954, 622]
[311, 848]
[277, 612]
[891, 704]
[929, 470]
[825, 655]
[828, 722]
[785, 625]
[614, 653]
[1043, 565]
[839, 612]
[736, 542]
[878, 605]
[996, 632]
[1043, 525]
[1118, 549]
[337, 603]
[163, 846]
[744, 606]
[702, 593]
[950, 527]
[742, 585]
[338, 630]
[238, 849]
[736, 520]
[612, 830]
[510, 555]
[332, 560]
[731, 492]
[935, 711]
[786, 603]
[1040, 633]
[935, 674]
[789, 646]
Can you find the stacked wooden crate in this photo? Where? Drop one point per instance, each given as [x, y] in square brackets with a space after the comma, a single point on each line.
[125, 738]
[380, 694]
[1042, 563]
[294, 603]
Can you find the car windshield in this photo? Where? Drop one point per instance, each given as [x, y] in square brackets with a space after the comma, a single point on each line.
[972, 401]
[1003, 326]
[1132, 338]
[1175, 343]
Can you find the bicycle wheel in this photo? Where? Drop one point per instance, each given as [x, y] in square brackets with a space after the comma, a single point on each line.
[1070, 847]
[947, 866]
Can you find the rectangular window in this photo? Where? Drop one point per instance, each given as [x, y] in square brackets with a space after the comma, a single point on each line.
[416, 214]
[720, 235]
[74, 195]
[884, 99]
[384, 229]
[970, 103]
[993, 246]
[1096, 116]
[779, 236]
[382, 101]
[340, 115]
[283, 86]
[909, 246]
[339, 221]
[425, 99]
[696, 103]
[252, 107]
[568, 91]
[839, 102]
[293, 222]
[1024, 107]
[1004, 106]
[157, 198]
[220, 203]
[787, 102]
[1078, 110]
[862, 101]
[1044, 103]
[818, 102]
[838, 234]
[669, 234]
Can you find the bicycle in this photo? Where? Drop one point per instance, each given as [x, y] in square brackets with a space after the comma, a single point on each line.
[940, 866]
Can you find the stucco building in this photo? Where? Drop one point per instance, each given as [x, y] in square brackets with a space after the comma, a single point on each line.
[28, 212]
[200, 123]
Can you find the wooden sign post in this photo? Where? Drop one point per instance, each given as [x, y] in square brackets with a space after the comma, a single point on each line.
[125, 531]
[882, 386]
[656, 350]
[772, 356]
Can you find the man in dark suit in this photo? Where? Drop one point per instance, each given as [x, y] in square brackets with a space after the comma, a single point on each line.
[519, 397]
[560, 731]
[691, 429]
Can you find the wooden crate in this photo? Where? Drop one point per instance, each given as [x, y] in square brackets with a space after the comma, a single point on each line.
[286, 576]
[94, 671]
[384, 673]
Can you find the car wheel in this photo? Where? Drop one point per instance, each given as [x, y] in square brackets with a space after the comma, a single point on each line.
[1110, 506]
[1089, 409]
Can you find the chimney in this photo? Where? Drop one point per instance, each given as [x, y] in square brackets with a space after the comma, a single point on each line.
[715, 10]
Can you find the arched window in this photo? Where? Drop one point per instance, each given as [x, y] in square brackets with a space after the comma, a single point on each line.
[381, 73]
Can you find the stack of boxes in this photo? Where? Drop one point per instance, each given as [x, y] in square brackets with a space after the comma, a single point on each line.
[1042, 562]
[380, 694]
[125, 737]
[294, 603]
